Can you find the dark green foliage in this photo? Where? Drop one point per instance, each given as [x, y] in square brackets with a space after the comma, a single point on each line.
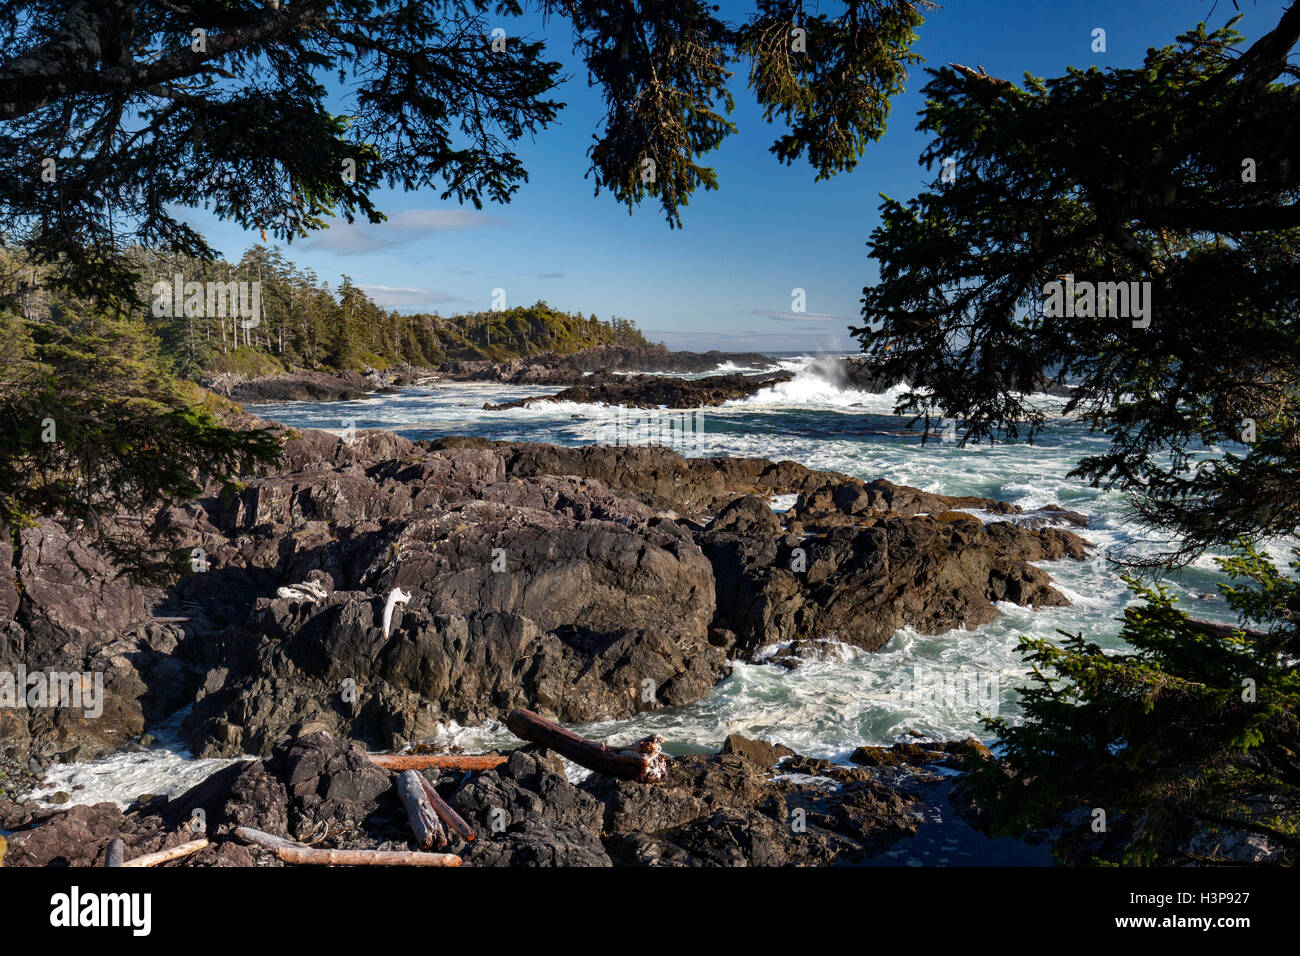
[97, 426]
[664, 75]
[1117, 175]
[1188, 725]
[830, 120]
[304, 323]
[141, 114]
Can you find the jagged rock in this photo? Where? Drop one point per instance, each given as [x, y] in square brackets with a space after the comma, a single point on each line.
[726, 809]
[574, 368]
[860, 583]
[954, 754]
[526, 813]
[561, 579]
[299, 386]
[657, 391]
[758, 752]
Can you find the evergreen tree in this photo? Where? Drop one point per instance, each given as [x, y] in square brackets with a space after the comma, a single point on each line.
[98, 425]
[1192, 729]
[147, 106]
[1179, 177]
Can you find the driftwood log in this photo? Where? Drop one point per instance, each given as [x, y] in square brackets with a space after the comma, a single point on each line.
[263, 839]
[287, 851]
[643, 761]
[116, 853]
[446, 813]
[171, 853]
[365, 857]
[413, 790]
[437, 761]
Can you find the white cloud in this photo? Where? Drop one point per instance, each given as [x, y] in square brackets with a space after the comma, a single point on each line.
[802, 316]
[407, 298]
[401, 228]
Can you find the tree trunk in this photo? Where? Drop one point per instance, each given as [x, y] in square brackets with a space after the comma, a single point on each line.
[642, 761]
[437, 761]
[365, 857]
[445, 812]
[263, 839]
[172, 853]
[424, 820]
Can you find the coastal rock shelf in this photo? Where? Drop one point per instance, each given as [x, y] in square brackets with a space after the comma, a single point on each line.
[377, 588]
[317, 799]
[655, 391]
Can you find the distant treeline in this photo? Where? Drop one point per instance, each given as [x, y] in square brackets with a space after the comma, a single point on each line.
[293, 319]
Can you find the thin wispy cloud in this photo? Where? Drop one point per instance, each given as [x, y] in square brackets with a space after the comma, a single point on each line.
[813, 341]
[401, 228]
[408, 298]
[803, 316]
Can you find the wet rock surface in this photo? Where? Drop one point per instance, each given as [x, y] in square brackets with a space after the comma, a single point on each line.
[579, 367]
[734, 808]
[656, 391]
[378, 588]
[315, 386]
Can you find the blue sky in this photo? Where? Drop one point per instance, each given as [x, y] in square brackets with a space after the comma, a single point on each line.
[725, 279]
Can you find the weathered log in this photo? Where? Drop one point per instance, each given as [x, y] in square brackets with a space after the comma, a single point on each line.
[437, 761]
[446, 813]
[308, 855]
[643, 761]
[116, 853]
[172, 853]
[263, 839]
[290, 852]
[1227, 630]
[411, 788]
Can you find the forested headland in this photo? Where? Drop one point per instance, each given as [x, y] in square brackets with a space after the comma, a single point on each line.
[264, 314]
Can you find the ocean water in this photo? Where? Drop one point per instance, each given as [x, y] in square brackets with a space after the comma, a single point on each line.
[936, 685]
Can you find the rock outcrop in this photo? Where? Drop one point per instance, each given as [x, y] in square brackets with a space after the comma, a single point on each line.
[585, 583]
[578, 367]
[734, 808]
[656, 391]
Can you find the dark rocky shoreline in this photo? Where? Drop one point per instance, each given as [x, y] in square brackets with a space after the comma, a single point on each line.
[563, 579]
[751, 804]
[654, 391]
[621, 566]
[613, 375]
[588, 366]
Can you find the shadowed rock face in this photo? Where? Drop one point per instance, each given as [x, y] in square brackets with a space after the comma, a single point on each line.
[655, 391]
[311, 386]
[587, 364]
[584, 583]
[861, 582]
[725, 809]
[299, 386]
[752, 804]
